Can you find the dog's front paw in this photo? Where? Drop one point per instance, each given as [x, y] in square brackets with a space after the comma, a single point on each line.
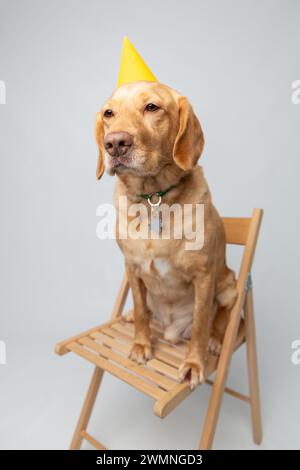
[141, 353]
[193, 371]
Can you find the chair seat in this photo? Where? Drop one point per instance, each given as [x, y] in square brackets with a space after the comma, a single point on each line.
[107, 346]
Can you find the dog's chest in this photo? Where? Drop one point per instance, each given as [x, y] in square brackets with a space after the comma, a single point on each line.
[157, 267]
[151, 259]
[158, 263]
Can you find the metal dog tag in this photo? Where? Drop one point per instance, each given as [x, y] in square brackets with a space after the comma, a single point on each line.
[155, 223]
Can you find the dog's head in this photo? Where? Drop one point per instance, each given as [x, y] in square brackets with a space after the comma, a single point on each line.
[144, 126]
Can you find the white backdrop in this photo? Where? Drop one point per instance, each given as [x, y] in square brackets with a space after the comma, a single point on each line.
[236, 61]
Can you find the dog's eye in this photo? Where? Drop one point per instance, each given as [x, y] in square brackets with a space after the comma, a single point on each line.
[151, 107]
[108, 113]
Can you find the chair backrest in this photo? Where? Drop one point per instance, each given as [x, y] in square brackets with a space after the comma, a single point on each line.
[244, 231]
[236, 229]
[241, 231]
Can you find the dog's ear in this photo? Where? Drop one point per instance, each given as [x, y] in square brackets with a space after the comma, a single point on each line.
[189, 141]
[99, 140]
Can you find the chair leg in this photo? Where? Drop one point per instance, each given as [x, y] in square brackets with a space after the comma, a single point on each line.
[252, 367]
[217, 393]
[87, 409]
[214, 405]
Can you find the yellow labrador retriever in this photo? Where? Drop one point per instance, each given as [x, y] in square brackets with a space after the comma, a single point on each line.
[150, 138]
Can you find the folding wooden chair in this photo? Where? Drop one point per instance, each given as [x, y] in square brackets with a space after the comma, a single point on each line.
[107, 346]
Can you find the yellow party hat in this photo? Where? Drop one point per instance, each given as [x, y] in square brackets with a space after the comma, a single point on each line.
[132, 67]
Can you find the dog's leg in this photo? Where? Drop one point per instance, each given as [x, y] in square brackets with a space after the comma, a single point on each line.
[218, 329]
[141, 349]
[226, 299]
[193, 367]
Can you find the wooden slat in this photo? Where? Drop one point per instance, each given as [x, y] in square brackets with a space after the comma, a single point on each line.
[171, 400]
[169, 349]
[111, 342]
[159, 365]
[181, 347]
[161, 347]
[61, 347]
[165, 369]
[157, 333]
[231, 392]
[125, 327]
[236, 229]
[114, 333]
[122, 374]
[92, 441]
[141, 370]
[158, 345]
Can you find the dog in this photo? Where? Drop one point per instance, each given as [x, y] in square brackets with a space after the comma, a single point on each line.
[150, 138]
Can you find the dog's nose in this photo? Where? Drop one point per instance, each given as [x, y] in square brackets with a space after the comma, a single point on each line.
[118, 143]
